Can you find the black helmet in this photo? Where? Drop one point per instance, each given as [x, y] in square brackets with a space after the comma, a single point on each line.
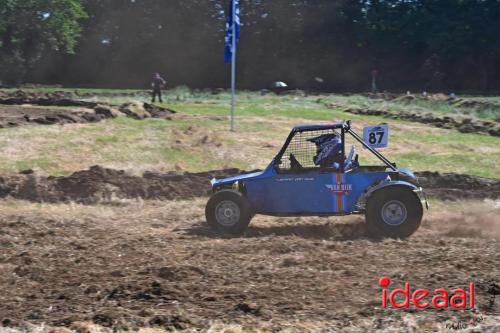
[328, 147]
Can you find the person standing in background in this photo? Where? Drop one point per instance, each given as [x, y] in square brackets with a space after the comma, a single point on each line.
[157, 84]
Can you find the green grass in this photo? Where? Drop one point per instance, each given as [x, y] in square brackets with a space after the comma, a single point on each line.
[186, 99]
[466, 163]
[489, 113]
[269, 106]
[150, 144]
[35, 163]
[196, 162]
[458, 152]
[452, 137]
[259, 110]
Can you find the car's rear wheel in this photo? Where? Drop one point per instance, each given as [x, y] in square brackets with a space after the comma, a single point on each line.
[393, 212]
[228, 212]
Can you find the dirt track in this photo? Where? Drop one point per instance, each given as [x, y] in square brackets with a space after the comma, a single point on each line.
[158, 265]
[135, 264]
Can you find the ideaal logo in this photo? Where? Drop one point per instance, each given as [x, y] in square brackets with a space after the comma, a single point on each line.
[461, 298]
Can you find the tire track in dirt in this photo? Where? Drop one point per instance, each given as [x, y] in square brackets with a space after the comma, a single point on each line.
[127, 272]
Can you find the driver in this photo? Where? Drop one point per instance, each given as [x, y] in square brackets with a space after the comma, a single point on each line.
[328, 150]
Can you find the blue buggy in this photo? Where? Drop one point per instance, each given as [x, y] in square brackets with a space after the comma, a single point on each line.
[313, 176]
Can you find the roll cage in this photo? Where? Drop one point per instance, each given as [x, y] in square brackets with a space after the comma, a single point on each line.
[342, 127]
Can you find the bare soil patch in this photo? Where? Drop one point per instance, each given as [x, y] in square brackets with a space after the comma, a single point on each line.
[101, 184]
[461, 102]
[451, 186]
[462, 124]
[157, 265]
[21, 108]
[18, 115]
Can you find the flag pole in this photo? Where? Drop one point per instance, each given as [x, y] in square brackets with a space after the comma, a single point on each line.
[233, 65]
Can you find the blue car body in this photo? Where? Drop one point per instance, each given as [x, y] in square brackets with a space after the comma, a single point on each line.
[316, 192]
[313, 193]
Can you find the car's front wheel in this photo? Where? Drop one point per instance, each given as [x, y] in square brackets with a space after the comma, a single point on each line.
[228, 212]
[393, 212]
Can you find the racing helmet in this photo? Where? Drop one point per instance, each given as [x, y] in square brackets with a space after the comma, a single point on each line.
[328, 149]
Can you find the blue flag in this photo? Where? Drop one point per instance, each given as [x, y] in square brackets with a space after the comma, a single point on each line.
[228, 41]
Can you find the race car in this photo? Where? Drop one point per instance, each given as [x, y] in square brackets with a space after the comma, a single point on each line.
[313, 176]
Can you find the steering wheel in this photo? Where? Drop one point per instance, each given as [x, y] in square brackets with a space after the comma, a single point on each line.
[295, 166]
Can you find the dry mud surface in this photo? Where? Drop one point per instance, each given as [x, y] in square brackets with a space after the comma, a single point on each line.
[19, 96]
[462, 124]
[99, 184]
[136, 264]
[22, 108]
[18, 115]
[157, 265]
[459, 102]
[26, 114]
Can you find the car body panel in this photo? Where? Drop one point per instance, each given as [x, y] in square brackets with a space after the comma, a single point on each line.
[309, 193]
[317, 191]
[312, 193]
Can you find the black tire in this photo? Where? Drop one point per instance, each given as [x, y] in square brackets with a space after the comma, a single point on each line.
[394, 212]
[239, 213]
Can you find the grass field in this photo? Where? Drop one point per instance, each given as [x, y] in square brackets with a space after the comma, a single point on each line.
[198, 137]
[439, 104]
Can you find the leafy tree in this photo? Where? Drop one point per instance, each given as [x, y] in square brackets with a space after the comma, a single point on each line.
[446, 45]
[29, 28]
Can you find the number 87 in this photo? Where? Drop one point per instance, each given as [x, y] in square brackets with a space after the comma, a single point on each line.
[372, 138]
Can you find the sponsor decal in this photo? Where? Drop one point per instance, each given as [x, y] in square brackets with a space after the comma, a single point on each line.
[339, 188]
[296, 179]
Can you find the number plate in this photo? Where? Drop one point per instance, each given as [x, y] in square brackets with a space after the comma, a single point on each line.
[376, 136]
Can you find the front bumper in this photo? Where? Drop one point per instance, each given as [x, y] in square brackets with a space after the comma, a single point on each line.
[423, 198]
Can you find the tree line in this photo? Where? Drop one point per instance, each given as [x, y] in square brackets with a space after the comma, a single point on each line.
[446, 45]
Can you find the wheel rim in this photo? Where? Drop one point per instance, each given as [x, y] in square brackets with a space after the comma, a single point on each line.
[394, 213]
[227, 213]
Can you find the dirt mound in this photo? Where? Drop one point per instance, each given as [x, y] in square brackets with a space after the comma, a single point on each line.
[76, 94]
[140, 110]
[99, 184]
[464, 125]
[382, 95]
[474, 104]
[437, 97]
[16, 115]
[43, 99]
[450, 186]
[22, 109]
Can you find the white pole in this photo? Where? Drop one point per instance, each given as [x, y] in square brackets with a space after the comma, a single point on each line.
[233, 67]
